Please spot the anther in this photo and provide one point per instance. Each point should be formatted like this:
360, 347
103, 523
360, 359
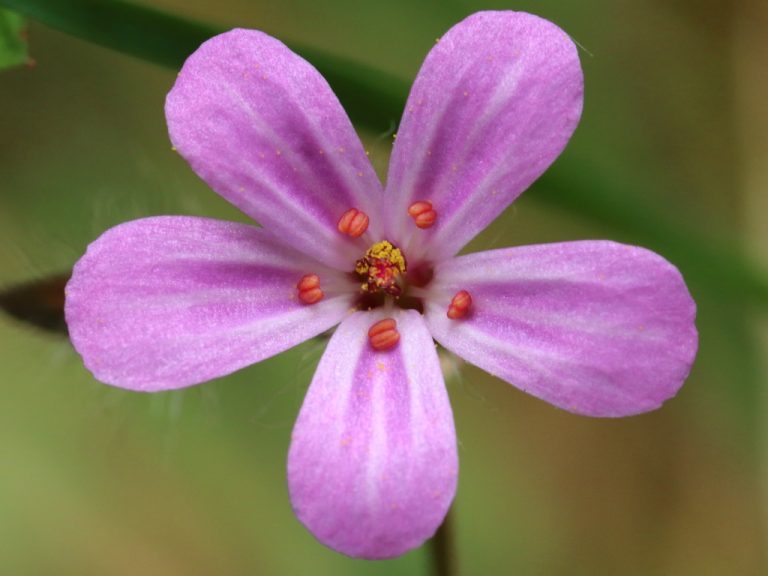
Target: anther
460, 305
353, 223
384, 335
422, 213
309, 289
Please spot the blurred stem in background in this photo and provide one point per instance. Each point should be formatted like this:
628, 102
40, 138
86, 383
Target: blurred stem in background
750, 63
442, 550
374, 100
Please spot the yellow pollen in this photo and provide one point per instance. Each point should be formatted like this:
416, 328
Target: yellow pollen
381, 267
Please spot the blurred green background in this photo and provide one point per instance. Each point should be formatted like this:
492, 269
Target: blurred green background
95, 480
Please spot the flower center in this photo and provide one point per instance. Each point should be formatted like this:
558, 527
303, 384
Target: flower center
382, 269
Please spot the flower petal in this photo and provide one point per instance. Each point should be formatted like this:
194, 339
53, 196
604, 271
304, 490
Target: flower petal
494, 104
262, 127
593, 327
166, 302
372, 467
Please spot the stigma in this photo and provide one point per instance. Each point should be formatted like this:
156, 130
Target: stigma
382, 269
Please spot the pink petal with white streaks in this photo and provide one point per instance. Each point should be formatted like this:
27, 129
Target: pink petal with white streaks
593, 327
372, 467
494, 104
262, 127
167, 302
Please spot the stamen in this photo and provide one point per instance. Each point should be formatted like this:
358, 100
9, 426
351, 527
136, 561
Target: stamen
422, 213
460, 305
309, 289
353, 223
384, 335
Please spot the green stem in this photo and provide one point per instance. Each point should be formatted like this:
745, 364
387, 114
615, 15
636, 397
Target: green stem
371, 98
442, 550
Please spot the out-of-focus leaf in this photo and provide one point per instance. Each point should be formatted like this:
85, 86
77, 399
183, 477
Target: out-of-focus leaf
375, 101
39, 302
13, 44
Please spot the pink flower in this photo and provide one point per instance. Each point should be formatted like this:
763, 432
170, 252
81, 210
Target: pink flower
594, 327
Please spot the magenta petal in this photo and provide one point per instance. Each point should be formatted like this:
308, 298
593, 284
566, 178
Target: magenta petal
494, 104
594, 327
262, 127
372, 467
166, 302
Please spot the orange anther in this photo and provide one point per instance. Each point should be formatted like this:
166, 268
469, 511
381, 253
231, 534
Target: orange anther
353, 223
311, 296
422, 213
460, 305
308, 281
309, 289
384, 335
418, 207
426, 219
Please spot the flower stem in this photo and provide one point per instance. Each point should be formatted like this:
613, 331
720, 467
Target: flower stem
442, 551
